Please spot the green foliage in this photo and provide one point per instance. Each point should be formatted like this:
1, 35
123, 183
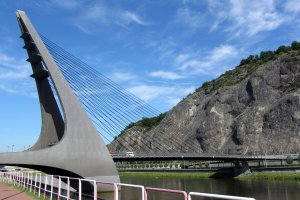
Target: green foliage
202, 175
296, 45
283, 49
206, 165
247, 66
291, 176
289, 160
147, 123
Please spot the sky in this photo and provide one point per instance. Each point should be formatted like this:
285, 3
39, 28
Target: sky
158, 50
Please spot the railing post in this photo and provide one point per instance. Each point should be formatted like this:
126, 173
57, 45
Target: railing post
68, 190
59, 185
95, 190
40, 185
79, 192
51, 194
31, 180
45, 186
27, 185
35, 180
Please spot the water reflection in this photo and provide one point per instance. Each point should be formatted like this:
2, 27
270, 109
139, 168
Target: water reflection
260, 190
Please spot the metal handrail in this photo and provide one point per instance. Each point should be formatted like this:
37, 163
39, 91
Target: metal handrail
134, 186
19, 178
217, 196
166, 191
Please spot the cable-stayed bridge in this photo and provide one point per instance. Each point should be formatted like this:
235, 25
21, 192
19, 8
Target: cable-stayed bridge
83, 111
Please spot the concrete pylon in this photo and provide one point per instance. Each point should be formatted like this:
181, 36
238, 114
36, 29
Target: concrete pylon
68, 145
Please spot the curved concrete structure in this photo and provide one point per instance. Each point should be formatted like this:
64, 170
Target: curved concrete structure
68, 145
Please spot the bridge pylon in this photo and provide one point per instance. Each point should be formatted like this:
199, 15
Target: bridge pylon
69, 144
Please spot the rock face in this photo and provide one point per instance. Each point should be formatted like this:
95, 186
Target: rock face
258, 115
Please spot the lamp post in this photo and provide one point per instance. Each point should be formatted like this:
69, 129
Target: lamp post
12, 148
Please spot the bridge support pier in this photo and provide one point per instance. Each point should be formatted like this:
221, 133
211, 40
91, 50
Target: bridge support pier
241, 167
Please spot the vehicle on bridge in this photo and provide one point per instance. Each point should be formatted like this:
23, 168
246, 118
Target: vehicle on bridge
130, 154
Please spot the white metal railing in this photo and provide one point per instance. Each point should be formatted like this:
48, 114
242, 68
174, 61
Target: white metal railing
52, 186
217, 196
134, 186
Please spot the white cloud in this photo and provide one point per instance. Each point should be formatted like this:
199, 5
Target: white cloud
164, 94
132, 17
14, 76
174, 101
190, 17
99, 14
246, 18
166, 75
67, 4
212, 62
123, 76
222, 52
292, 6
181, 58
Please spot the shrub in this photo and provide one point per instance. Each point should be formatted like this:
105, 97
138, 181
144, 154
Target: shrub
296, 45
289, 160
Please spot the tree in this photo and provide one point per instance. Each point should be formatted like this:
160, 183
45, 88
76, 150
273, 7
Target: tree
289, 160
266, 55
283, 48
296, 45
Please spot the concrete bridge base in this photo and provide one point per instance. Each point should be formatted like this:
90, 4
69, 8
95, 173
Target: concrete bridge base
241, 168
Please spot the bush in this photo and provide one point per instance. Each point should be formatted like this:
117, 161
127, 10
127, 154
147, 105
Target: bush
206, 165
283, 49
296, 45
289, 160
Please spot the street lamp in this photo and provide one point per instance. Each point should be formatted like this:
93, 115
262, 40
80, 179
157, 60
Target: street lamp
12, 148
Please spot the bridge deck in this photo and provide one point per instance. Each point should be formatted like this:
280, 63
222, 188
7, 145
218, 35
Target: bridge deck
151, 157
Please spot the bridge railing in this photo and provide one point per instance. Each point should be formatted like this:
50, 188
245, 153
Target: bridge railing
52, 187
178, 192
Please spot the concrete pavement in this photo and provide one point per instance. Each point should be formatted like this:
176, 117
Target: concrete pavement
9, 193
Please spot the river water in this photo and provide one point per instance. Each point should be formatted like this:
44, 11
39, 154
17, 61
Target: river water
258, 189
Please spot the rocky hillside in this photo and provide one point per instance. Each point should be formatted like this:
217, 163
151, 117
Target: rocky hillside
252, 109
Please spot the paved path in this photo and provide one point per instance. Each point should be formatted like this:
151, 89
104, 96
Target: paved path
8, 193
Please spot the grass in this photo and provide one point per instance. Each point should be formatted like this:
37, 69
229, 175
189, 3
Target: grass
274, 176
280, 176
203, 175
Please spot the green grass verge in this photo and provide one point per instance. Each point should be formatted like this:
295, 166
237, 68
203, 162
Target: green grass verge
27, 192
280, 176
170, 175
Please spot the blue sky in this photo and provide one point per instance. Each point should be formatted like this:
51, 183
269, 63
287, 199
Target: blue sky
158, 50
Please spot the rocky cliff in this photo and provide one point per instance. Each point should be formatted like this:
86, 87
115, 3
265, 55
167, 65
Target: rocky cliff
253, 109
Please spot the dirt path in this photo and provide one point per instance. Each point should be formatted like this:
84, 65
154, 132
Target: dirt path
8, 193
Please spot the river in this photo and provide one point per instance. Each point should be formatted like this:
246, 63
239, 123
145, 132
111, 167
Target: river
258, 189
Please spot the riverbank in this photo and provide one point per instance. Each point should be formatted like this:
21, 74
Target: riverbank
280, 176
204, 175
276, 176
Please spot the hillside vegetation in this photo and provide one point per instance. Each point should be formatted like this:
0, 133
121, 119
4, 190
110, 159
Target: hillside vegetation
231, 77
247, 66
253, 109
